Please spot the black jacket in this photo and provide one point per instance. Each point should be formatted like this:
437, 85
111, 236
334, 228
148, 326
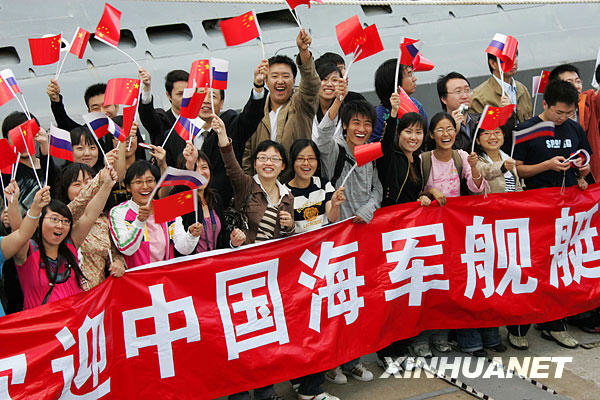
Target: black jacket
399, 185
156, 121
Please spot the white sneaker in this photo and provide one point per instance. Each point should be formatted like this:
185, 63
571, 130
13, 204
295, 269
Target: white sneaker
390, 365
322, 396
409, 364
360, 373
336, 376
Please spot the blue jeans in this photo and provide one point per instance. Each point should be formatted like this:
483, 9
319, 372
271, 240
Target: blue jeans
260, 393
350, 364
470, 340
433, 336
310, 385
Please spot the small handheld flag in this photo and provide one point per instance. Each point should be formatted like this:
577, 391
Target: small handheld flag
173, 206
101, 125
8, 77
579, 159
179, 177
199, 74
421, 63
45, 51
60, 144
186, 129
240, 29
350, 34
8, 154
79, 42
295, 3
409, 50
22, 136
372, 43
109, 27
6, 94
495, 117
406, 104
219, 70
364, 154
122, 91
505, 48
191, 102
544, 128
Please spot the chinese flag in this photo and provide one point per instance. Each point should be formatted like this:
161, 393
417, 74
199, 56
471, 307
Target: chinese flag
109, 27
238, 30
29, 128
543, 81
421, 63
350, 34
8, 156
365, 153
122, 91
509, 53
128, 116
199, 74
79, 42
5, 93
372, 43
171, 207
295, 3
191, 105
45, 51
406, 104
495, 117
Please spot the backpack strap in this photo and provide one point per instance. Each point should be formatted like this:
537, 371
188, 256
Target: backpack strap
339, 164
425, 166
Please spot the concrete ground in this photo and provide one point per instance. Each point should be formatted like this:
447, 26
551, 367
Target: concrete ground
580, 379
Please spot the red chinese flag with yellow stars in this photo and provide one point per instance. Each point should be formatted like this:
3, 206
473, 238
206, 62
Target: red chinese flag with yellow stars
79, 43
27, 130
173, 206
109, 27
122, 91
45, 51
199, 74
350, 34
238, 30
495, 117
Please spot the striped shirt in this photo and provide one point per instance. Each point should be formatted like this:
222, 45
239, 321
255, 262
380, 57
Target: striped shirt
266, 227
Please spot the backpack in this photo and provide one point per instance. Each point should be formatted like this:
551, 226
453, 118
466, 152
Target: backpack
339, 164
426, 169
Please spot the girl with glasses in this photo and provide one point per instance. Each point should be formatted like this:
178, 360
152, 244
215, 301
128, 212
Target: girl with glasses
132, 225
47, 266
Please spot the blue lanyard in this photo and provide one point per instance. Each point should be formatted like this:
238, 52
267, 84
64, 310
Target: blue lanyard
214, 228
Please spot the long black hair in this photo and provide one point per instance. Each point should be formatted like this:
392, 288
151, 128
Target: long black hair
69, 174
410, 119
82, 135
297, 147
64, 253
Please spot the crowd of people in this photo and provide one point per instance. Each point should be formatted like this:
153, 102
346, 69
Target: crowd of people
276, 169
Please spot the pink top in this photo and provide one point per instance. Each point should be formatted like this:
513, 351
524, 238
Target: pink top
35, 284
156, 238
444, 176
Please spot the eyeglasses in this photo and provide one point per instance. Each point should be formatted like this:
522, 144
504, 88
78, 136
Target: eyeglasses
56, 220
459, 92
441, 131
497, 133
139, 182
302, 160
273, 159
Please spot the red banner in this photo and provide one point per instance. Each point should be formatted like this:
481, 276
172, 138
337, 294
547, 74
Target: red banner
203, 327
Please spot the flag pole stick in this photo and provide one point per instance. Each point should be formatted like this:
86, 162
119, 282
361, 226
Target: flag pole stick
170, 131
99, 144
210, 79
30, 159
60, 67
196, 204
25, 109
501, 75
534, 104
59, 49
3, 194
348, 174
262, 45
119, 50
293, 15
397, 75
15, 168
483, 114
110, 259
47, 167
160, 181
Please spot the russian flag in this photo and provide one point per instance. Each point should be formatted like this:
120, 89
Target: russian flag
579, 159
544, 128
181, 177
191, 102
219, 70
496, 45
8, 77
409, 51
60, 143
101, 125
186, 129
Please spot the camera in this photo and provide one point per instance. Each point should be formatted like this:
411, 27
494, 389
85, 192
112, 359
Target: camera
463, 108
